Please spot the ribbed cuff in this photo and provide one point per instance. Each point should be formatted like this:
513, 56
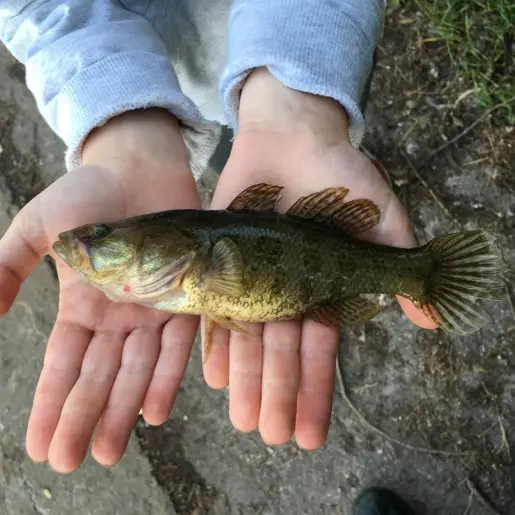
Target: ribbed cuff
116, 84
320, 47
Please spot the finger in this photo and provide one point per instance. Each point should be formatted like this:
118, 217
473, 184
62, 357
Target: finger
20, 250
61, 367
317, 370
216, 368
140, 353
416, 315
86, 401
175, 348
245, 370
281, 375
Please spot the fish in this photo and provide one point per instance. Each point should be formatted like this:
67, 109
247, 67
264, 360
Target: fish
251, 263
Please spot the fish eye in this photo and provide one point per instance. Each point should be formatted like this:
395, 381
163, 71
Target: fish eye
98, 231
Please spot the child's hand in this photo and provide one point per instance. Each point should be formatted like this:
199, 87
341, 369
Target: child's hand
283, 381
104, 361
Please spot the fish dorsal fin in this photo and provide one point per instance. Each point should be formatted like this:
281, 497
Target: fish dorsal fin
259, 197
226, 274
322, 202
358, 215
328, 206
350, 310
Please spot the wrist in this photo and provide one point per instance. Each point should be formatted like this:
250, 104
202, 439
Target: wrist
145, 151
147, 140
267, 105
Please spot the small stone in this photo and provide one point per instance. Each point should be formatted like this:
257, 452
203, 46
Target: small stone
412, 149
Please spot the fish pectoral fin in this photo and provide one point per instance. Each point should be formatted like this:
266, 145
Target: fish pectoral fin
350, 310
328, 206
226, 275
259, 197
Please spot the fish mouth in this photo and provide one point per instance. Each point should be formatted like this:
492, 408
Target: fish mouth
69, 250
61, 248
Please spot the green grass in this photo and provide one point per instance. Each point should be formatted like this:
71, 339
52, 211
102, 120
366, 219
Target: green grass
479, 36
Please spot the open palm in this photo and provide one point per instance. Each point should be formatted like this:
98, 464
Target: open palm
104, 361
281, 374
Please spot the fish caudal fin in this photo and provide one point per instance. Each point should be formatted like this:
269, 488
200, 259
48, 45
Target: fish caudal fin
469, 266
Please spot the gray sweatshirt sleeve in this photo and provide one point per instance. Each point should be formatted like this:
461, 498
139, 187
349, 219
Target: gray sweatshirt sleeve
87, 61
323, 47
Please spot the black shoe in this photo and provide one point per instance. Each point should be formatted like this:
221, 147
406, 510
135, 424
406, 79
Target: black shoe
380, 501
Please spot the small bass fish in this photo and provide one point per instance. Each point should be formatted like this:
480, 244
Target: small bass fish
252, 263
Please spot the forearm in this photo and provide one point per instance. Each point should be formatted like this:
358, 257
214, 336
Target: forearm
141, 139
145, 150
87, 62
316, 46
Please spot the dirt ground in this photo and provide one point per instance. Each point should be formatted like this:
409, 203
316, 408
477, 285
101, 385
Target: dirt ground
430, 415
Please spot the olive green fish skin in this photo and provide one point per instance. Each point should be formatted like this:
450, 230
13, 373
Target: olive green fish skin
292, 264
251, 263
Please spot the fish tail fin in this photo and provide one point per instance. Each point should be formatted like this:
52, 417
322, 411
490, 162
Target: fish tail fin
468, 266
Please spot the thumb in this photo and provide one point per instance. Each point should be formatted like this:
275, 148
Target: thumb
21, 247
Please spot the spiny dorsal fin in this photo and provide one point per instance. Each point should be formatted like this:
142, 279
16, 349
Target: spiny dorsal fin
328, 206
226, 276
259, 197
350, 310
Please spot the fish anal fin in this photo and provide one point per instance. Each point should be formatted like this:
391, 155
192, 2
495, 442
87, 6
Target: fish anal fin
349, 310
259, 197
328, 206
225, 275
325, 314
